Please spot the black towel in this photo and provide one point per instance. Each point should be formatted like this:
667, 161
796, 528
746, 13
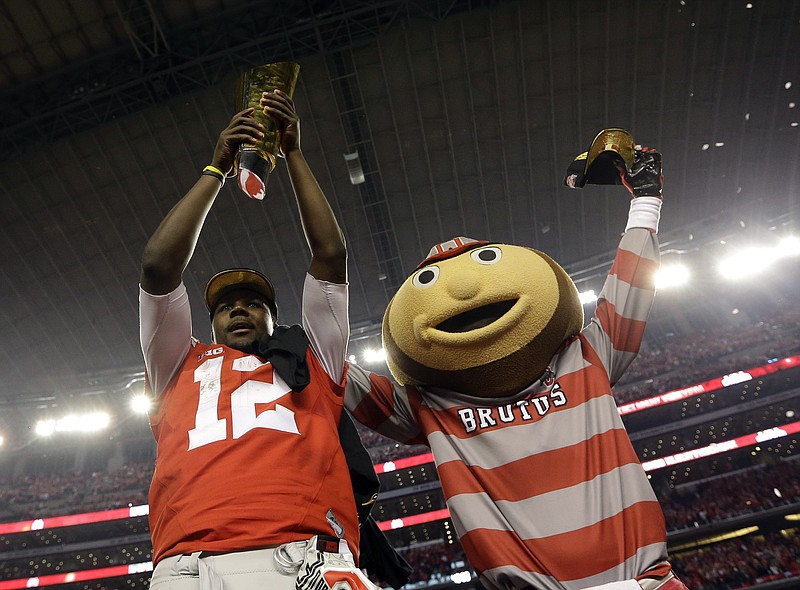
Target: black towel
286, 350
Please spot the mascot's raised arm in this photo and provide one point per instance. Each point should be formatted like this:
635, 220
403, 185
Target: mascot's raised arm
513, 395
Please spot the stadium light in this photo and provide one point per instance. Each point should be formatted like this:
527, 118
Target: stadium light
587, 297
716, 538
2, 440
373, 356
793, 517
672, 275
140, 404
91, 422
746, 263
789, 246
754, 260
461, 577
45, 427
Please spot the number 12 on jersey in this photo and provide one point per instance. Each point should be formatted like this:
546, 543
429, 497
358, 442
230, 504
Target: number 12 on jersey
209, 427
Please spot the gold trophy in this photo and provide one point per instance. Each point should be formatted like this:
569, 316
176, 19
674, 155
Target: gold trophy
254, 162
610, 149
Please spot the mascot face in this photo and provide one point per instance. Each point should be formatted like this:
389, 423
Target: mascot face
483, 320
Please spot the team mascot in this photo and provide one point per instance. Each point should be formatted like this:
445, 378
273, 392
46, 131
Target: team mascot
499, 376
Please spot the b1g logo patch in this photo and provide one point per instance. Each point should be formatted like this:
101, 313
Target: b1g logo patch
210, 352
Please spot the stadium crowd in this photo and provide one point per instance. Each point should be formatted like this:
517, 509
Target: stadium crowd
741, 492
679, 362
713, 492
35, 496
731, 565
435, 562
699, 502
740, 563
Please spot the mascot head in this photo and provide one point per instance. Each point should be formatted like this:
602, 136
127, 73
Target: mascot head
480, 318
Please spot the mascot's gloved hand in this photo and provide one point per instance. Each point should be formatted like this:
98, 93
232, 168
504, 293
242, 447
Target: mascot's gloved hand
645, 178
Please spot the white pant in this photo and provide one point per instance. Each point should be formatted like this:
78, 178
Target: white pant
623, 585
245, 570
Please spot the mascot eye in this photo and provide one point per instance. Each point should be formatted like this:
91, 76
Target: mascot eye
487, 255
426, 277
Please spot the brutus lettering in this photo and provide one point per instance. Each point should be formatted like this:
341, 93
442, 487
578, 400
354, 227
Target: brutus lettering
522, 411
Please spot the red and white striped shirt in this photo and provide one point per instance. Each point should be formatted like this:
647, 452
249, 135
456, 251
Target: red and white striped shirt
544, 487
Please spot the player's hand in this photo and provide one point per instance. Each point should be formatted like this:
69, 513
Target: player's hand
281, 108
243, 128
645, 178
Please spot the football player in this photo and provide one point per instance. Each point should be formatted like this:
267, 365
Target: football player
251, 483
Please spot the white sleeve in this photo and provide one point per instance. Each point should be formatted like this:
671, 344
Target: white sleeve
326, 322
644, 212
165, 333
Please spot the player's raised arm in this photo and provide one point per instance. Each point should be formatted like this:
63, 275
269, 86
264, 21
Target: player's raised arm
171, 246
325, 238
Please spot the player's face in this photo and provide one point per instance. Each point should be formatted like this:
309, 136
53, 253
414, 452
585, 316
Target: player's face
241, 319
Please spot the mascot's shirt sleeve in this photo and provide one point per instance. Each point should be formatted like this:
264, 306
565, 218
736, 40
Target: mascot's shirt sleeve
380, 404
617, 328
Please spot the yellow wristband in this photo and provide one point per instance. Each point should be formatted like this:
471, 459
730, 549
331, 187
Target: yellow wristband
214, 169
215, 172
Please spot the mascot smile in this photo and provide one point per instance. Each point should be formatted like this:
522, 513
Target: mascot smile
480, 318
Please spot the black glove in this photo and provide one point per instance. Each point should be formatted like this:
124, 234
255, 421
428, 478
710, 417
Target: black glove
645, 178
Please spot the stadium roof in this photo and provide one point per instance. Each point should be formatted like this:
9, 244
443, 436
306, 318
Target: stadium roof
465, 115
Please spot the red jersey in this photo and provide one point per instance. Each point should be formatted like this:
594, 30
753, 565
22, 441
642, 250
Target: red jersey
242, 461
227, 428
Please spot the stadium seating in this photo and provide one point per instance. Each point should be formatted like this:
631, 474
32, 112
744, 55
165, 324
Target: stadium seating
731, 515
